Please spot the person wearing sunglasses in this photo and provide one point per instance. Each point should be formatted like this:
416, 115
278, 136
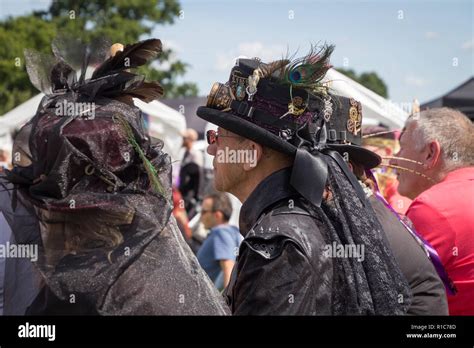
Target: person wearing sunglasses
270, 152
219, 250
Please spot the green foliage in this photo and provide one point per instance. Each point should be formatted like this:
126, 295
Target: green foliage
124, 21
370, 80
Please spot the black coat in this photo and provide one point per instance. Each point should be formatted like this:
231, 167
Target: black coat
429, 296
280, 269
285, 264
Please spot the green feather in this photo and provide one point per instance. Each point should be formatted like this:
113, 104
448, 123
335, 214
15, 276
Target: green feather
149, 168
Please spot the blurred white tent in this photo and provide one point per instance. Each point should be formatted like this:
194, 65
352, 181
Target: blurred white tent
375, 109
165, 123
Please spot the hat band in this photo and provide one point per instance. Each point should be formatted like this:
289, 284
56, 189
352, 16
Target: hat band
248, 112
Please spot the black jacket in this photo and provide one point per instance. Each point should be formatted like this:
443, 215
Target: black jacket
280, 269
429, 296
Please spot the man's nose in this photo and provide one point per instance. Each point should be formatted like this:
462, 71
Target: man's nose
211, 149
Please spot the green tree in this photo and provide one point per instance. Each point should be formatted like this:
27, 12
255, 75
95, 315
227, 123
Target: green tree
124, 21
368, 79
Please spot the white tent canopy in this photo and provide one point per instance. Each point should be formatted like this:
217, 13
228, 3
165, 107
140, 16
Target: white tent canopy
165, 123
375, 109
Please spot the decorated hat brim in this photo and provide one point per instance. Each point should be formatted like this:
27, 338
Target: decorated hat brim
358, 154
246, 129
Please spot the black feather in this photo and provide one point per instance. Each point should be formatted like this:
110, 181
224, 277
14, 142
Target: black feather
132, 56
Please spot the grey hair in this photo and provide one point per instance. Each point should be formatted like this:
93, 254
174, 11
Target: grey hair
452, 129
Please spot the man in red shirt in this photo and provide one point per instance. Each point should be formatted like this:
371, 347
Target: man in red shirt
438, 174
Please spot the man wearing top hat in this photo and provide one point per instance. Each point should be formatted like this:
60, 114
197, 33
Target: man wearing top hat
288, 263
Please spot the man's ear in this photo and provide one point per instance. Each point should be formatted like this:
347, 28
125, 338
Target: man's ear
433, 154
218, 216
253, 155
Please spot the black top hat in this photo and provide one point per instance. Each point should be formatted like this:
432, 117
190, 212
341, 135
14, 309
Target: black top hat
344, 132
284, 106
268, 103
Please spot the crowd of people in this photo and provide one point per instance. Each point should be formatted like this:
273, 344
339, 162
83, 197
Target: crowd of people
336, 218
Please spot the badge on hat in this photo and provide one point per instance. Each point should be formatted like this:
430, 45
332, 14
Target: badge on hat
355, 117
238, 83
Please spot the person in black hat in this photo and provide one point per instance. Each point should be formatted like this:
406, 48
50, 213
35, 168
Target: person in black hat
299, 255
410, 252
102, 190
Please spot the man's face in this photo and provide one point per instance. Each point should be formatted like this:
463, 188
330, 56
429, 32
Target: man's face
410, 184
207, 215
226, 174
186, 142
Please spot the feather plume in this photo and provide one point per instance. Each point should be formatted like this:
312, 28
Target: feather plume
266, 70
151, 171
308, 71
132, 56
146, 91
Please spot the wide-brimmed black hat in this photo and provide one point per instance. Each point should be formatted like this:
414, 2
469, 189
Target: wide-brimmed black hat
284, 105
268, 103
345, 134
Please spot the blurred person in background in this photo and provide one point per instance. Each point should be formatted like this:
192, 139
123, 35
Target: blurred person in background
218, 252
384, 143
191, 173
4, 159
180, 214
436, 161
19, 280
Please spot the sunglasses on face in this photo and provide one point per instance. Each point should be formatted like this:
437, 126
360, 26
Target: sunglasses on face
212, 136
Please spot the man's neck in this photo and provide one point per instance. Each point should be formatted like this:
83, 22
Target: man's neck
434, 177
246, 187
243, 190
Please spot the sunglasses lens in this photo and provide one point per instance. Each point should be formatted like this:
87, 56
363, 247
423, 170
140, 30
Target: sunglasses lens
211, 137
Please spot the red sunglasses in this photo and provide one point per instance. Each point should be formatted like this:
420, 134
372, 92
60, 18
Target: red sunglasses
212, 136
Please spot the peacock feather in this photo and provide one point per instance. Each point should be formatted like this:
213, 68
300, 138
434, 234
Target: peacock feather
307, 72
149, 168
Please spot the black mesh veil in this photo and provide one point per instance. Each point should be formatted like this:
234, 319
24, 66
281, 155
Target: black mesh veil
375, 285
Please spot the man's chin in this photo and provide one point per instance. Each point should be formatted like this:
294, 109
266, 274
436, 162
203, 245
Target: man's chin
217, 185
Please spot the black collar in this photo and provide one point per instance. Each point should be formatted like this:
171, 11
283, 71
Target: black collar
269, 191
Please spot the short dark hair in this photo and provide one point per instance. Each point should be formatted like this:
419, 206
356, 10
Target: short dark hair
221, 202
